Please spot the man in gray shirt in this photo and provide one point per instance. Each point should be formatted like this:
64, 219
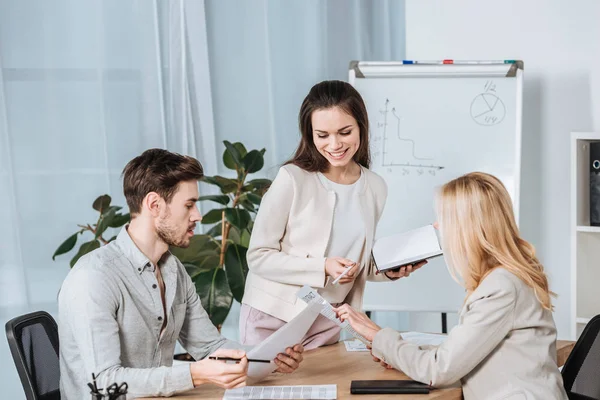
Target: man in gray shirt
123, 306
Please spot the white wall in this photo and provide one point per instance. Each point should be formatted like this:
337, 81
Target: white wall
559, 43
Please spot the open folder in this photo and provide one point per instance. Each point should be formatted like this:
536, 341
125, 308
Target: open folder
410, 247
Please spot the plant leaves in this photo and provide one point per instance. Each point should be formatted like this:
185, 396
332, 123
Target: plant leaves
259, 185
216, 231
102, 203
236, 268
221, 199
84, 249
247, 204
105, 221
254, 161
232, 152
108, 209
238, 217
213, 216
66, 246
200, 246
245, 239
215, 294
227, 185
228, 157
119, 220
254, 198
234, 234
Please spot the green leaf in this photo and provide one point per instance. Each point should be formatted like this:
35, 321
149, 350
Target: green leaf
228, 156
245, 239
104, 223
119, 220
254, 161
247, 204
112, 238
213, 216
227, 185
200, 246
254, 198
84, 249
236, 268
234, 234
237, 217
215, 294
102, 203
221, 199
111, 208
66, 246
216, 230
260, 185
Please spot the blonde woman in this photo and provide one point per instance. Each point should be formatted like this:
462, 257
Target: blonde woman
504, 346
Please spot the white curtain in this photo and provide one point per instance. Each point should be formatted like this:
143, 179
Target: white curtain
84, 87
266, 54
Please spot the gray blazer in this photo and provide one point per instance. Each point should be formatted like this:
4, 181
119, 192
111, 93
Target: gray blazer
504, 346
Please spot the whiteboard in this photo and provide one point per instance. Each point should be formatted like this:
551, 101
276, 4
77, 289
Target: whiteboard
430, 124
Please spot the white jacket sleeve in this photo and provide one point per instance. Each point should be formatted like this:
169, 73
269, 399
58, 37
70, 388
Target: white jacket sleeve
265, 256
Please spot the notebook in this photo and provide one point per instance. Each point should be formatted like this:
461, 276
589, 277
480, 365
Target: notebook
410, 247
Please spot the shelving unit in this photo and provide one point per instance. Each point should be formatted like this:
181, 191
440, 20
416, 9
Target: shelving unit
585, 239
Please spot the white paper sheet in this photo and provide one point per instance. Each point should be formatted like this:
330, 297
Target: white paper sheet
423, 338
286, 336
282, 392
355, 345
311, 296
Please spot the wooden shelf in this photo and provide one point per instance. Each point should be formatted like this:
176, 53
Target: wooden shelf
590, 229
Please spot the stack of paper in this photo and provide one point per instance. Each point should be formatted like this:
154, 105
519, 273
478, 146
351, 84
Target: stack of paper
282, 392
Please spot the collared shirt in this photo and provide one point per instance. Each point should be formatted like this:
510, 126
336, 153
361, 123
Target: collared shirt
110, 315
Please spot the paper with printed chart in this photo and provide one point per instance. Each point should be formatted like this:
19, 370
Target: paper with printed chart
282, 392
287, 336
311, 296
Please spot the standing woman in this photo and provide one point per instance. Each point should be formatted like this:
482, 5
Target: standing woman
317, 219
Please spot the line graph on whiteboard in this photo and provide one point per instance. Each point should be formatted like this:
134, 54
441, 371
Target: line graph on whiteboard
391, 137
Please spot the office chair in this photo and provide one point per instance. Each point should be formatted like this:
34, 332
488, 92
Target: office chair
580, 372
33, 342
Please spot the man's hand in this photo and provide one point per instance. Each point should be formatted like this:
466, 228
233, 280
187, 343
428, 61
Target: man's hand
289, 362
222, 374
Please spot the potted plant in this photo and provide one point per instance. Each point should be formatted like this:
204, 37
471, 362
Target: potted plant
216, 260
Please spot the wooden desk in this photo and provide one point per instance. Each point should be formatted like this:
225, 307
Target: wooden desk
334, 365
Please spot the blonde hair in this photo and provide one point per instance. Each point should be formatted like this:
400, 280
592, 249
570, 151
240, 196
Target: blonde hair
479, 234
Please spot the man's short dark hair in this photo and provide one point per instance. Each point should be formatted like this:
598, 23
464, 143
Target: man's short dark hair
160, 171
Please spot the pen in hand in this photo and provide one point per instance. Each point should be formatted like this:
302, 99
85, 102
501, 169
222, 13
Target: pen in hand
348, 268
237, 359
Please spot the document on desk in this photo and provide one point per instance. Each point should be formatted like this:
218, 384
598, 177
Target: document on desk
311, 296
282, 392
355, 345
423, 339
286, 336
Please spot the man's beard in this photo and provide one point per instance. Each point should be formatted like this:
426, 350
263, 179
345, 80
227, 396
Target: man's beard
168, 234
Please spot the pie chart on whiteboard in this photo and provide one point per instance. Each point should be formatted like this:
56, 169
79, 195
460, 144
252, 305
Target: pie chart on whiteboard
487, 109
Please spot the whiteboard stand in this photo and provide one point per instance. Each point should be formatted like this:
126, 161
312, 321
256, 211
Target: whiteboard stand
430, 123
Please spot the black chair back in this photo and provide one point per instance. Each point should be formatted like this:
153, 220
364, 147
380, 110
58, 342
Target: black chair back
33, 342
581, 372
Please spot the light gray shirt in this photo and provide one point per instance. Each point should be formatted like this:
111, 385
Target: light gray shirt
110, 315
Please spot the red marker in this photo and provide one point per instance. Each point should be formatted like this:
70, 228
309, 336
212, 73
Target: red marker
448, 62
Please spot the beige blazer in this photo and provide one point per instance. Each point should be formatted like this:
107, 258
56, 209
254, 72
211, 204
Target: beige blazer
290, 237
504, 346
